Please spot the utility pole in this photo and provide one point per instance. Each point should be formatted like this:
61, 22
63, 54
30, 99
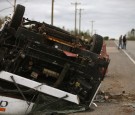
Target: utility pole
80, 15
92, 27
95, 31
76, 3
52, 12
14, 5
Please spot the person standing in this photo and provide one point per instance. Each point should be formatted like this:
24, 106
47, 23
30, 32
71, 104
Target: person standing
120, 42
124, 42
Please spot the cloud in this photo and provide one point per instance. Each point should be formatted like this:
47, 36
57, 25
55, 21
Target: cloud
112, 17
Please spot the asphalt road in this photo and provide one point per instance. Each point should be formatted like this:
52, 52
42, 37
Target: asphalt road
121, 67
120, 78
131, 49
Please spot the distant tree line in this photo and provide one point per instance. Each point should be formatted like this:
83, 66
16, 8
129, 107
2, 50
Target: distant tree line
106, 38
131, 34
84, 35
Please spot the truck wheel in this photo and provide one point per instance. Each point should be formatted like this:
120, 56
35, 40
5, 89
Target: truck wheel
96, 44
17, 17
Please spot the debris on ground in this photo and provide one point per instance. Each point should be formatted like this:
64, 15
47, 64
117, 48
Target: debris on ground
108, 97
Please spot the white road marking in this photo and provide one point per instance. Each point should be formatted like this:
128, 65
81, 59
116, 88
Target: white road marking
127, 54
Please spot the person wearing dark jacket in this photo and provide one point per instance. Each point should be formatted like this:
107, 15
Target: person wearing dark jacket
120, 42
124, 42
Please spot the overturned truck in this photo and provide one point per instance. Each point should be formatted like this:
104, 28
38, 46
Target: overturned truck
40, 60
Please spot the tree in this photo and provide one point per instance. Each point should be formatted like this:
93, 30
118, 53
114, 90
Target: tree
106, 38
131, 34
1, 21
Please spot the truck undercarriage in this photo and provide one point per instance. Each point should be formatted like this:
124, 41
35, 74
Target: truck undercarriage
49, 55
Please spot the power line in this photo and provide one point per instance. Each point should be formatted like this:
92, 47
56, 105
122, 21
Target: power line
9, 2
13, 5
5, 9
24, 2
76, 3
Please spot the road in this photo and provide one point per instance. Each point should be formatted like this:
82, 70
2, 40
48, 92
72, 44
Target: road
121, 68
120, 78
131, 48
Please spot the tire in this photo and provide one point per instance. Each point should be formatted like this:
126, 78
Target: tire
96, 44
17, 17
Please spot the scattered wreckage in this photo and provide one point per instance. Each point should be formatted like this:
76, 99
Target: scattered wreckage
45, 68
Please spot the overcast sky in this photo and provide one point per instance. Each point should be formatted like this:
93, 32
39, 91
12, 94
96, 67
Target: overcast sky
112, 17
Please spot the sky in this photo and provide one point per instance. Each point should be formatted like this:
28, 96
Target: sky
111, 17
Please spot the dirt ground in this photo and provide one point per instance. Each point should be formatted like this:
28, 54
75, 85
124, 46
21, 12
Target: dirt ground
120, 83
